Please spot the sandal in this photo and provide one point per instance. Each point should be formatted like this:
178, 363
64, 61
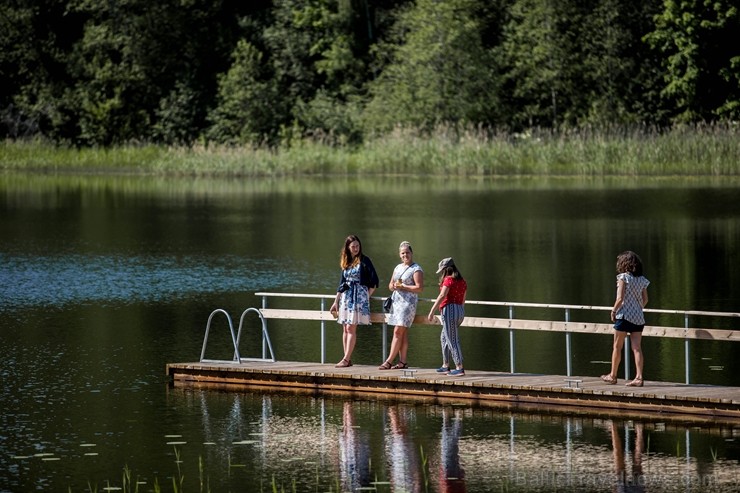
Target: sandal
637, 382
400, 366
343, 364
385, 366
609, 379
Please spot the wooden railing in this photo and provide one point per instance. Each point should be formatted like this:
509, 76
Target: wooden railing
513, 324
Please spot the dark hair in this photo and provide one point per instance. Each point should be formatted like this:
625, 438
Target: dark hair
629, 262
450, 270
345, 257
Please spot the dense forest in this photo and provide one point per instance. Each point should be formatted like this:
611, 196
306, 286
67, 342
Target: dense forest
261, 72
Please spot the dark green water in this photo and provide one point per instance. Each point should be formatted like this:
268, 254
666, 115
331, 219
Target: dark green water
104, 280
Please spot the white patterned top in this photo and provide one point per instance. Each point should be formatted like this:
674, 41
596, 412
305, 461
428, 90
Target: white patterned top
631, 309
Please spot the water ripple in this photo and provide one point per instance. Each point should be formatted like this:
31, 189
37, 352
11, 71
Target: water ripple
60, 280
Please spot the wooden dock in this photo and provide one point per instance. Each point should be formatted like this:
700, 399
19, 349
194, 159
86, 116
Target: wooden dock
544, 393
523, 391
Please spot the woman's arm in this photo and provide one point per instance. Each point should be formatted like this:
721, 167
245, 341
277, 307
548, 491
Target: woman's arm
418, 285
335, 306
644, 297
442, 294
620, 298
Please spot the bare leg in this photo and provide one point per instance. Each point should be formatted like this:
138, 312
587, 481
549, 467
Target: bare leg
397, 345
636, 342
619, 337
403, 348
349, 339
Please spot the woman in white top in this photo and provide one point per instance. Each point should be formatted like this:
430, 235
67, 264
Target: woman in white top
406, 283
627, 315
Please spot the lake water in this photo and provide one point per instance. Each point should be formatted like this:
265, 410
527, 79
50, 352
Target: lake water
104, 280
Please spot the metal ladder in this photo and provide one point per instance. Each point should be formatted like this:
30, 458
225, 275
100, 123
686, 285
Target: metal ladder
235, 338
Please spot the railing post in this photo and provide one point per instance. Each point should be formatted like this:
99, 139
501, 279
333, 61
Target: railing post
511, 341
568, 362
385, 341
323, 333
687, 349
264, 341
627, 362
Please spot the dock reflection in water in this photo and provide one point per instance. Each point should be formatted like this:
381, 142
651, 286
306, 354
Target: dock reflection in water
352, 445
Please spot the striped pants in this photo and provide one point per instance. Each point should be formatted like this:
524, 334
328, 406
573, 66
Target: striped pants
452, 316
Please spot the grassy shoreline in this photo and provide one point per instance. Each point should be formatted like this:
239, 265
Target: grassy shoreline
681, 151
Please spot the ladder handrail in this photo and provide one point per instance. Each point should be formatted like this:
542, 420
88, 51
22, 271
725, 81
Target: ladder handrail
208, 329
265, 336
235, 339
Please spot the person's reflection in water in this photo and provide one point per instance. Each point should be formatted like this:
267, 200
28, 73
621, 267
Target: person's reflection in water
354, 452
402, 453
635, 481
451, 474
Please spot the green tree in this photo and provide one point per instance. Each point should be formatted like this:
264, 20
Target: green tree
438, 70
34, 45
621, 73
136, 59
575, 62
318, 51
699, 42
542, 53
247, 101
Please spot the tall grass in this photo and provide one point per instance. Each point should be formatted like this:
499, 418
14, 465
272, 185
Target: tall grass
698, 150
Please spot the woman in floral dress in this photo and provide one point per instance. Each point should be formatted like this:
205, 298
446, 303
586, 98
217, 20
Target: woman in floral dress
406, 283
352, 304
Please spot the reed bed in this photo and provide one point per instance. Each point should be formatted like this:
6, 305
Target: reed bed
698, 150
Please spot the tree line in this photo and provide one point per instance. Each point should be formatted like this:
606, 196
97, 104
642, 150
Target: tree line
265, 72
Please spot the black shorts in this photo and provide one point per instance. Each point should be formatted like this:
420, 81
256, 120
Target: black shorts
623, 325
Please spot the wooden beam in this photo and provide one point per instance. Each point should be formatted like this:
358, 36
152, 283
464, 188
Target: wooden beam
522, 324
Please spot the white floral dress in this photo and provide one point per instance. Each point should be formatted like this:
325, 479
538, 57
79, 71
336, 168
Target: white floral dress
354, 304
403, 309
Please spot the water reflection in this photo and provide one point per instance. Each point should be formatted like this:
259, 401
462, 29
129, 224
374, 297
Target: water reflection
104, 280
450, 475
354, 452
403, 455
357, 445
628, 480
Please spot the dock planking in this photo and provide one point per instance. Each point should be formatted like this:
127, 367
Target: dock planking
521, 390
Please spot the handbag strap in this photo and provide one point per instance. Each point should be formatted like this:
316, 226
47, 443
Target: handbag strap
404, 271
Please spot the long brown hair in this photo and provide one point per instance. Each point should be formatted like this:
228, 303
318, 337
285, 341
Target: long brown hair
345, 256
